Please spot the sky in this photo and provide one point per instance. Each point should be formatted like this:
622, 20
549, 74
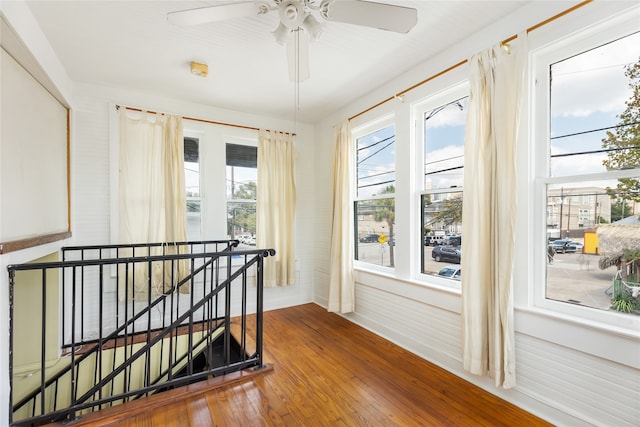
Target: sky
589, 92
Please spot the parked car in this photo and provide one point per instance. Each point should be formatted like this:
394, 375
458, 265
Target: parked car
453, 241
446, 254
565, 245
369, 238
451, 271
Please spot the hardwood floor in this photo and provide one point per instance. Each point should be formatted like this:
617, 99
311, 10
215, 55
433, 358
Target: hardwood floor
323, 371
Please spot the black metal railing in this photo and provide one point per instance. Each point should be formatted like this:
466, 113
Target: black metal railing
131, 320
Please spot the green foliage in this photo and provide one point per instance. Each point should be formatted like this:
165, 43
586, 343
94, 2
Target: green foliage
624, 140
450, 211
624, 303
246, 191
242, 215
631, 254
384, 210
619, 208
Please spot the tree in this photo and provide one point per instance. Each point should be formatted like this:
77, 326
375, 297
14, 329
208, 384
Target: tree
246, 191
242, 211
620, 209
450, 211
624, 141
384, 210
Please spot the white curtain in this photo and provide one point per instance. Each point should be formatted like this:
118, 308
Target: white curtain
489, 211
341, 282
152, 197
275, 206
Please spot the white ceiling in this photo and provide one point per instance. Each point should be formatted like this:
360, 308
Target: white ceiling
130, 44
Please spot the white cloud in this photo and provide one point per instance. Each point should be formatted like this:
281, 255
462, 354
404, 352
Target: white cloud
445, 158
594, 80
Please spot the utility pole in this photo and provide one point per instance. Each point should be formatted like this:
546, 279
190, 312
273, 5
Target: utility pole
561, 204
569, 218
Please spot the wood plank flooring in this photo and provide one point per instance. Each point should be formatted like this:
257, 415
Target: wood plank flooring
323, 371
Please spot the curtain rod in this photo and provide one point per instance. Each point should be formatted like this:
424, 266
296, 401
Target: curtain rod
203, 120
504, 42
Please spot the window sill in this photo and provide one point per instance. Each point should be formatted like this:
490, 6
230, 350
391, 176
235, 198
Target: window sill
438, 295
614, 343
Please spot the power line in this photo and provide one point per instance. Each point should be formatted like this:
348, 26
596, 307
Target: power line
594, 130
376, 152
376, 174
376, 143
604, 150
377, 183
444, 160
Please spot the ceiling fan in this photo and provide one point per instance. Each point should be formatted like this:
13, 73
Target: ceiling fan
299, 21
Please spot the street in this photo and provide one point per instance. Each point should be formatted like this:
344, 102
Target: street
571, 277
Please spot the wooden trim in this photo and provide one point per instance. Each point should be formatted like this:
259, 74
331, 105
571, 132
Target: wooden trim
530, 29
68, 170
17, 245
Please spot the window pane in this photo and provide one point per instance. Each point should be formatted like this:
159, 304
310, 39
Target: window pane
375, 220
591, 231
241, 183
242, 174
241, 222
193, 220
444, 129
192, 182
442, 232
594, 127
444, 145
376, 164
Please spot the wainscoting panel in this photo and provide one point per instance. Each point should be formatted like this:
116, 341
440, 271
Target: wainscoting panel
582, 384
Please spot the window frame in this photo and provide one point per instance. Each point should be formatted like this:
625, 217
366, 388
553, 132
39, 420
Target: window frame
228, 197
360, 131
539, 82
197, 138
454, 91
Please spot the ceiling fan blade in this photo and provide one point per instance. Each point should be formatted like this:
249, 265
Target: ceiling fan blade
383, 16
203, 15
298, 56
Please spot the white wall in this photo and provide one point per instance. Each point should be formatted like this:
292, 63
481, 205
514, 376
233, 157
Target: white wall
22, 37
92, 169
569, 371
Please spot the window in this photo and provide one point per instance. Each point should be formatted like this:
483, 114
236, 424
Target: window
242, 173
441, 198
592, 177
375, 200
192, 182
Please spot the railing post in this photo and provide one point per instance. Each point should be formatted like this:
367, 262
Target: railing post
227, 315
11, 285
259, 309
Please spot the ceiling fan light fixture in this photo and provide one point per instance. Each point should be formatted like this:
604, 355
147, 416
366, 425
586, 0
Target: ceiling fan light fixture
313, 27
281, 34
292, 13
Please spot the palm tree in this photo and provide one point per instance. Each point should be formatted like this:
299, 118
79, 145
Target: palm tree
384, 210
